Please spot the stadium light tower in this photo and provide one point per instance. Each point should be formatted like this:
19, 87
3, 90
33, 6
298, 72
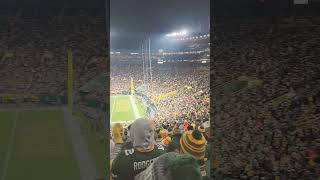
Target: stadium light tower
177, 34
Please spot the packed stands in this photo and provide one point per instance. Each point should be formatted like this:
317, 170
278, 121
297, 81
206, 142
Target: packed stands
34, 55
183, 73
269, 130
34, 61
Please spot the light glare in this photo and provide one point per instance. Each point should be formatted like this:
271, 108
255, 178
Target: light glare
174, 34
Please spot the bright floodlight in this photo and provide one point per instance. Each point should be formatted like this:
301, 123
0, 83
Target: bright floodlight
175, 34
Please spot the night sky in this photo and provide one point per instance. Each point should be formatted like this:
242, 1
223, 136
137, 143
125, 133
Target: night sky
131, 20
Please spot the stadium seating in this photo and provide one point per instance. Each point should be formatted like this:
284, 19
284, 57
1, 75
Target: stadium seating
267, 131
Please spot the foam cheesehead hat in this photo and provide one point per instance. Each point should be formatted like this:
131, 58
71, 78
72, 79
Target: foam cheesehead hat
142, 132
117, 133
193, 143
172, 166
167, 140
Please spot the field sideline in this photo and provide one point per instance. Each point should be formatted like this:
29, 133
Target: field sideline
37, 143
125, 108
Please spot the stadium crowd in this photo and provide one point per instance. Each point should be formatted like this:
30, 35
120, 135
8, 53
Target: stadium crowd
268, 131
180, 91
136, 151
191, 86
34, 61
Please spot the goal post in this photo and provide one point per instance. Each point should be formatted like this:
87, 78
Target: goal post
70, 80
131, 86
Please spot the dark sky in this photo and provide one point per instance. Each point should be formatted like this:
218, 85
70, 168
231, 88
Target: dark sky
130, 20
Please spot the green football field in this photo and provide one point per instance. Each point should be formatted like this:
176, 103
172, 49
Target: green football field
35, 145
125, 109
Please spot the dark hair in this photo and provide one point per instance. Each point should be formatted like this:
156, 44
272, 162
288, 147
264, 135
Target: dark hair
190, 127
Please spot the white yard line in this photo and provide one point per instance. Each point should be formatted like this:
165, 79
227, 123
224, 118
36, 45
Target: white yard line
134, 108
122, 122
10, 146
113, 106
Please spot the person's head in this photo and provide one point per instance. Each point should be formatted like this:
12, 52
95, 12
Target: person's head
164, 133
203, 131
117, 133
190, 128
208, 131
184, 167
172, 166
193, 143
194, 126
142, 131
169, 131
178, 129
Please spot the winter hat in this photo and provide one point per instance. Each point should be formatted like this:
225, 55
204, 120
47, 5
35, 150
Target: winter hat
167, 140
172, 166
201, 129
193, 143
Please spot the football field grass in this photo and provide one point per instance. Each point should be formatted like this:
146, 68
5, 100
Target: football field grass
125, 109
35, 145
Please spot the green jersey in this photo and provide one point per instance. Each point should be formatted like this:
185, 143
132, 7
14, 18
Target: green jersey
131, 162
205, 171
